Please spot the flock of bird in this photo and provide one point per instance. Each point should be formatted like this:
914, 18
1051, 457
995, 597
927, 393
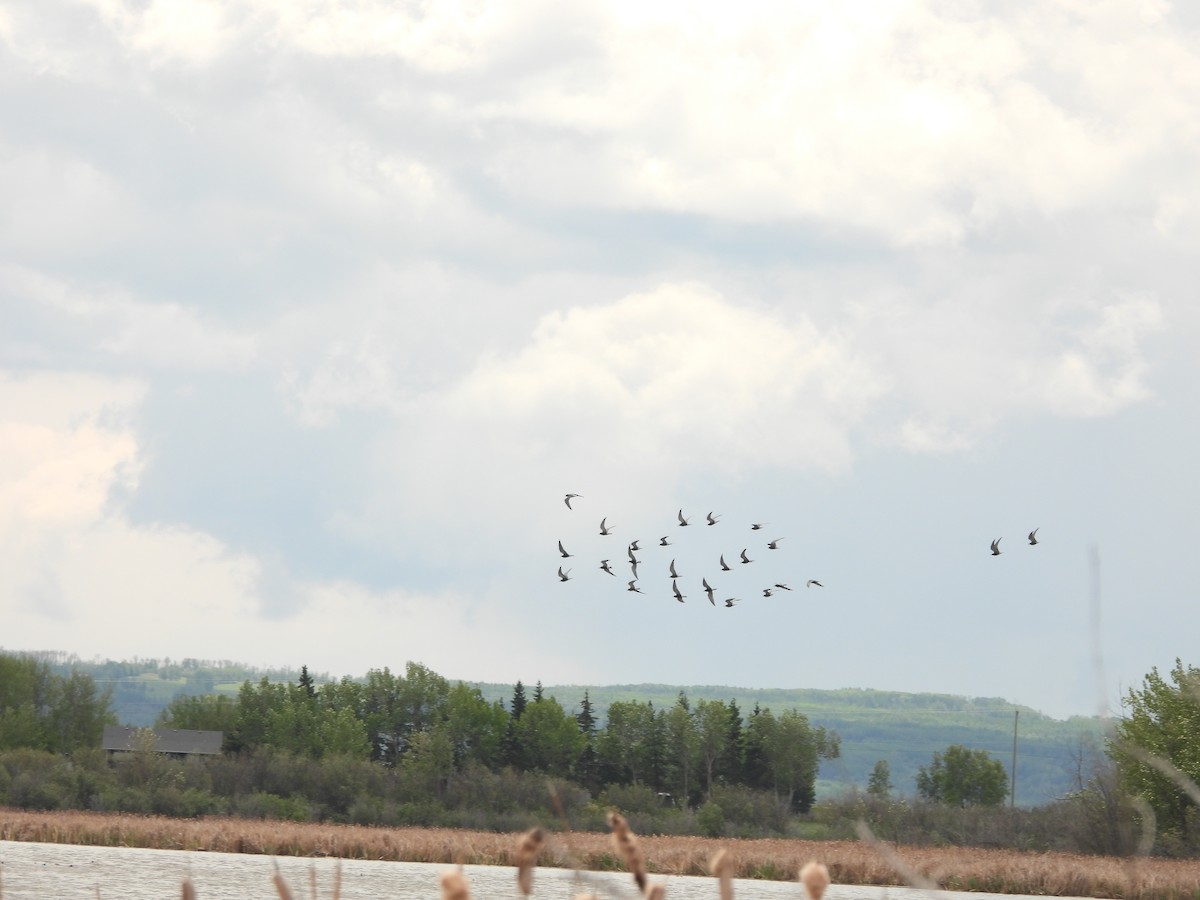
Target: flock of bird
710, 591
682, 521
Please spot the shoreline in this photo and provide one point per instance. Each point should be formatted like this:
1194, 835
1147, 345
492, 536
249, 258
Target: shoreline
775, 859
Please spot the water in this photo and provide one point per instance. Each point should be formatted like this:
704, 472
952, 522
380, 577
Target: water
33, 871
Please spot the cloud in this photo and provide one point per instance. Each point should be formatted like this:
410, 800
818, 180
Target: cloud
908, 122
110, 325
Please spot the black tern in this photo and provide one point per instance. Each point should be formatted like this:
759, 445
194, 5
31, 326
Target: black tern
813, 581
724, 565
758, 525
563, 551
745, 558
604, 566
564, 576
782, 587
767, 592
604, 529
709, 590
1033, 537
674, 574
567, 500
663, 542
996, 546
729, 601
712, 520
633, 587
774, 545
675, 590
682, 520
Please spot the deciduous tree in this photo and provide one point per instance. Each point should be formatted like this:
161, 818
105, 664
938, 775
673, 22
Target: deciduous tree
963, 777
1162, 722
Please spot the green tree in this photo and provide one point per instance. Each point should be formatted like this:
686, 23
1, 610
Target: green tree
200, 712
550, 738
49, 712
306, 682
712, 730
627, 747
963, 777
879, 784
794, 751
587, 766
683, 744
1161, 725
474, 726
755, 770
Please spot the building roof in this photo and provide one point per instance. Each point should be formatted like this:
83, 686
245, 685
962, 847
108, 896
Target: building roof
170, 740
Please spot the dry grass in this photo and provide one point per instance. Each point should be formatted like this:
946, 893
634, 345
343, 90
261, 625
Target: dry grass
848, 862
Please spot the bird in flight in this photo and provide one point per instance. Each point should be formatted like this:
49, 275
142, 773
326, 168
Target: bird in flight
674, 574
564, 576
774, 545
682, 520
675, 590
758, 525
745, 558
604, 566
724, 565
563, 551
634, 545
632, 558
567, 500
996, 546
663, 542
604, 529
633, 587
811, 582
767, 592
782, 587
729, 601
633, 567
1033, 537
712, 520
708, 589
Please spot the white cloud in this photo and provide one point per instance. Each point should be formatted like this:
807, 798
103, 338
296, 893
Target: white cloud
160, 334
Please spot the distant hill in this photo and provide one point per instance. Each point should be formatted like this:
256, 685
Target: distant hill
903, 729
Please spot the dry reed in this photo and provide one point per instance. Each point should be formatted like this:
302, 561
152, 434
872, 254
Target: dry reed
527, 852
626, 843
454, 885
815, 878
721, 865
849, 862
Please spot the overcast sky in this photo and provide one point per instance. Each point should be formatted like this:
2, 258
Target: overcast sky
311, 312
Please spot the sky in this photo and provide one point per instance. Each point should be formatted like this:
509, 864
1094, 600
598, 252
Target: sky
313, 311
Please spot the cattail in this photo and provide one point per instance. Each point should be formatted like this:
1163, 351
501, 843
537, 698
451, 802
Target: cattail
189, 889
721, 865
454, 885
527, 851
628, 847
281, 886
815, 878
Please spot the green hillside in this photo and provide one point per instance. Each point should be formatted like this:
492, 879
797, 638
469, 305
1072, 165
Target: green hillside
903, 729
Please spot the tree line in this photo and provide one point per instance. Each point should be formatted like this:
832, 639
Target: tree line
420, 720
418, 749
